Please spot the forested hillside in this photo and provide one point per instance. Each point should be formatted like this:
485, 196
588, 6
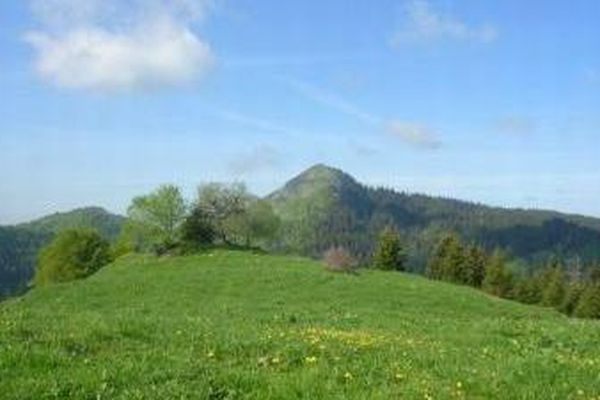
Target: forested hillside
19, 244
324, 206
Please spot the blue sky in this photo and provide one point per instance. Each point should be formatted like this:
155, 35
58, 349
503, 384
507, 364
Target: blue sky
495, 102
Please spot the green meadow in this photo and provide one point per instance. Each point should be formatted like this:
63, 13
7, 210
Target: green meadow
240, 325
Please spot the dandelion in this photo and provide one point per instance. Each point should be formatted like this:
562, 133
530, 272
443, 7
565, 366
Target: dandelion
210, 354
348, 376
459, 385
310, 359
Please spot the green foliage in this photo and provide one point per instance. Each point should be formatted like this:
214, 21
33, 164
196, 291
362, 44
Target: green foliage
324, 207
498, 279
155, 219
224, 205
528, 290
389, 253
237, 217
73, 254
589, 302
448, 260
221, 325
571, 300
197, 230
473, 271
554, 290
20, 244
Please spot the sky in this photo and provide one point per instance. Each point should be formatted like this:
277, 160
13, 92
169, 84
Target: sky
496, 102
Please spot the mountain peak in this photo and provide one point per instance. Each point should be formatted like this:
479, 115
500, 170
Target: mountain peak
317, 180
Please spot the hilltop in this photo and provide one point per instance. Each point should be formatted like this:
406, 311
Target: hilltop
227, 325
324, 206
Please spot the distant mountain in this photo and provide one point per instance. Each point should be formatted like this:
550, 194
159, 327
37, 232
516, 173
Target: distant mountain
19, 244
324, 206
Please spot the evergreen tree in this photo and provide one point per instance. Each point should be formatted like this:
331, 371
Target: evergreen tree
589, 302
527, 290
474, 266
448, 260
572, 297
498, 279
389, 254
554, 290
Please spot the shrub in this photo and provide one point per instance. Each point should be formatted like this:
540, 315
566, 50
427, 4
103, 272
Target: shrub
73, 254
338, 259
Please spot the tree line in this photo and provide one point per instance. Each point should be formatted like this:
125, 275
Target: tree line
162, 222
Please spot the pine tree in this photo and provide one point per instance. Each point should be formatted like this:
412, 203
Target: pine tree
448, 260
554, 290
527, 290
389, 254
474, 267
572, 297
589, 303
498, 279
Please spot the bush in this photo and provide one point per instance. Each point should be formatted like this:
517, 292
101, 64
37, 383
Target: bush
339, 259
73, 254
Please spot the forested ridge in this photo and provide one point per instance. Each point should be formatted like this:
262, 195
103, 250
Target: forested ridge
324, 207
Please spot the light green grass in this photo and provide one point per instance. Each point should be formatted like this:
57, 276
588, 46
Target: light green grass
228, 325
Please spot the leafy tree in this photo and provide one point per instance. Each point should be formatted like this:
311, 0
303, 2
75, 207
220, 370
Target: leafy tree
73, 254
155, 219
257, 223
389, 254
498, 278
224, 205
589, 302
197, 229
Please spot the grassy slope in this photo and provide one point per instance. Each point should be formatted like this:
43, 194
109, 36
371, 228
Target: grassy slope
235, 325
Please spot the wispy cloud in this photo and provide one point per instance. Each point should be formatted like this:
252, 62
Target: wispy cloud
416, 135
119, 45
424, 24
332, 101
515, 125
262, 157
256, 123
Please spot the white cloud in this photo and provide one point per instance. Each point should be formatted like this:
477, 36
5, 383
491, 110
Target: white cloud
424, 24
414, 134
119, 45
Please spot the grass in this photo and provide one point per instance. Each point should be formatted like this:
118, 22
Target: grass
229, 325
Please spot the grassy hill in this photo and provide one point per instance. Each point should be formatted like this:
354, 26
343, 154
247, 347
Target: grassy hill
229, 325
324, 207
19, 244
